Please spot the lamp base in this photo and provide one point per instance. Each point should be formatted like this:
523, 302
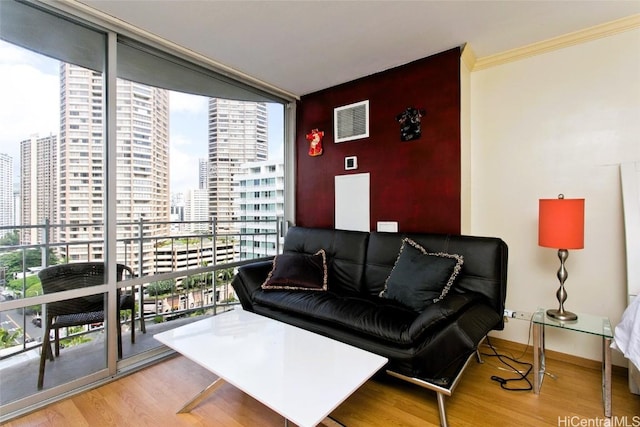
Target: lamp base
562, 315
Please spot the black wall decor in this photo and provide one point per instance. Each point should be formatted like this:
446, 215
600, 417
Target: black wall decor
409, 121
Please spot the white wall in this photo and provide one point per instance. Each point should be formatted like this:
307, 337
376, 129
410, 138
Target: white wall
558, 122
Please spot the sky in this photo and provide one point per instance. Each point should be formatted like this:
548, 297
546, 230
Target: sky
30, 104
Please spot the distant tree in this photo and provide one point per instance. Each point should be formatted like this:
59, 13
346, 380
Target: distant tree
10, 239
75, 340
224, 276
32, 258
8, 339
33, 285
161, 287
189, 282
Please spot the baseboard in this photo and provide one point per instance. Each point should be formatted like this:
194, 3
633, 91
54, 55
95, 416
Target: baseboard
518, 348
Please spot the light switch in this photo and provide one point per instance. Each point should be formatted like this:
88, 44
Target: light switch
388, 226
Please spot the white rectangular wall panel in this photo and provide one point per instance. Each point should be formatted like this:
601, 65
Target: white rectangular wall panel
352, 211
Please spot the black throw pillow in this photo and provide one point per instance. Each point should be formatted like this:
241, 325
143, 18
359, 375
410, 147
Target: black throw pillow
420, 278
297, 271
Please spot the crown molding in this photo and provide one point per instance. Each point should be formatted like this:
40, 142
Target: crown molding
468, 57
571, 39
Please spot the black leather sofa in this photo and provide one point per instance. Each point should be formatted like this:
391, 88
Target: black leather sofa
430, 348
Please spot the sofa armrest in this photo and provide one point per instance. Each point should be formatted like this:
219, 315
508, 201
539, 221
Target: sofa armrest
442, 311
248, 280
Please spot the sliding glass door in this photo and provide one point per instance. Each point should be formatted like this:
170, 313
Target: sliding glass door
154, 172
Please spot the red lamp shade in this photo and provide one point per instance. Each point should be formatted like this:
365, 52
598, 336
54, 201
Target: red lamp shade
561, 223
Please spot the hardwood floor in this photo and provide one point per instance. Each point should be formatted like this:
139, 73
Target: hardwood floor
152, 396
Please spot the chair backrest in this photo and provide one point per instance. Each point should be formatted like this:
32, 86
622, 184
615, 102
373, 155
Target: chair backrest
64, 277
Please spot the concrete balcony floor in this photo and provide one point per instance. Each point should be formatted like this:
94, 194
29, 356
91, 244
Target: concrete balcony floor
19, 374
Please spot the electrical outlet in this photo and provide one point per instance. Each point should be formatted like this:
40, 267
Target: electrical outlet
524, 315
514, 314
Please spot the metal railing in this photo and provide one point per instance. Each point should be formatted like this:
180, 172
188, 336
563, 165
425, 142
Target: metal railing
185, 271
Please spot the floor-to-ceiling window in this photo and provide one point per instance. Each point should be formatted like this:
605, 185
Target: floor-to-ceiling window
112, 149
47, 126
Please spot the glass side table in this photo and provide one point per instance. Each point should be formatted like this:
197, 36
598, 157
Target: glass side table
586, 323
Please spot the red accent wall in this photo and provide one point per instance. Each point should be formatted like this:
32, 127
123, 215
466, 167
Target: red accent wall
416, 183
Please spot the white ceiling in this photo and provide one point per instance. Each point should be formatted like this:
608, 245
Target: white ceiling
305, 46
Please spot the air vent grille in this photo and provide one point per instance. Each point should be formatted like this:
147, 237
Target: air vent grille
351, 121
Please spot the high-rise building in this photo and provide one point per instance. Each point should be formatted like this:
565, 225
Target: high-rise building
260, 202
203, 174
38, 187
6, 192
17, 204
177, 212
196, 209
237, 134
142, 147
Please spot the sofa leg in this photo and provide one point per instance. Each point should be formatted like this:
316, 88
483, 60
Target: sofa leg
441, 410
478, 355
441, 391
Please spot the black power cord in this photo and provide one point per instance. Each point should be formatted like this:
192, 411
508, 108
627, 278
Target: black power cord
522, 375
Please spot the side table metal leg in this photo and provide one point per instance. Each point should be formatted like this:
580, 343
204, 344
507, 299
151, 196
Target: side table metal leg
606, 376
538, 357
200, 396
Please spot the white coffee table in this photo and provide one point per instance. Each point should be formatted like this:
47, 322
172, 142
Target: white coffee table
300, 375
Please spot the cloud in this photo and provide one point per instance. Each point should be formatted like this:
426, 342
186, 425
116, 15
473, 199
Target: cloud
180, 102
26, 109
183, 166
188, 139
30, 89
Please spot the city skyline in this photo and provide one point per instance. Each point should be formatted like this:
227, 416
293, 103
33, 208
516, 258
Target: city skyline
41, 99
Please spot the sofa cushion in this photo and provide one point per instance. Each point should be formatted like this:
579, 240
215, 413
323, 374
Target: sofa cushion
297, 271
346, 253
484, 270
420, 278
382, 319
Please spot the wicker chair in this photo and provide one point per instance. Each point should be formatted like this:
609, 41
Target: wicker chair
83, 310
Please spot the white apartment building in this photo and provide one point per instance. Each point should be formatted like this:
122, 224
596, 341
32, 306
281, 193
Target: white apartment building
203, 174
38, 187
177, 213
237, 134
142, 165
196, 208
6, 192
260, 202
17, 204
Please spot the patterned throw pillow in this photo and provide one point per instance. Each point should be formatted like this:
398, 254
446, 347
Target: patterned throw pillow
420, 278
296, 271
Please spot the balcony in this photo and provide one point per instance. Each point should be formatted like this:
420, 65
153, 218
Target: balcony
180, 277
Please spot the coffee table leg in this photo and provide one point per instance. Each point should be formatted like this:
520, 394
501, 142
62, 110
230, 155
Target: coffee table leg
328, 422
200, 396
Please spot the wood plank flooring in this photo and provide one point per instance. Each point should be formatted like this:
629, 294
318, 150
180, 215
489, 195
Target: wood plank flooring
152, 396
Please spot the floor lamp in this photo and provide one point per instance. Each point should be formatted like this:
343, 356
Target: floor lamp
561, 226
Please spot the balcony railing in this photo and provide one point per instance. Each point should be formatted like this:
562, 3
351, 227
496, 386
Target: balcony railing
182, 268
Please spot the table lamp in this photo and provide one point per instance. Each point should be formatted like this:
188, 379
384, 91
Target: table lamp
561, 226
